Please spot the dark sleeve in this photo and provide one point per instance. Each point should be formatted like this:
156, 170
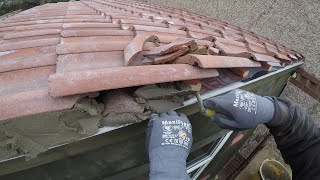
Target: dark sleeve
298, 139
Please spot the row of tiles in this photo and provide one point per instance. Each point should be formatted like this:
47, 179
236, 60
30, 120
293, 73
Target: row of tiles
83, 41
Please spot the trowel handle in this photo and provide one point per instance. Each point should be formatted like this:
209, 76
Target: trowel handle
209, 113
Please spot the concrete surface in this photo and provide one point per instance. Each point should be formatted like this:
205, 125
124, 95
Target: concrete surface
250, 172
293, 23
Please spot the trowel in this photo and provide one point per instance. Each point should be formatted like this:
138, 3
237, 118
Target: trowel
204, 111
196, 87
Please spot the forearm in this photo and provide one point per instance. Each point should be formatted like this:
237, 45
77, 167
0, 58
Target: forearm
297, 137
167, 166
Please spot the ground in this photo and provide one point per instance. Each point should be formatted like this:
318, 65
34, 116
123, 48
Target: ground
293, 23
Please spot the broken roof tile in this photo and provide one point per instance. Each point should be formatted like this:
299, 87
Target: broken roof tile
136, 46
161, 59
171, 47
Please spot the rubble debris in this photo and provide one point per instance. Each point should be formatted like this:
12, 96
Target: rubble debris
164, 105
122, 108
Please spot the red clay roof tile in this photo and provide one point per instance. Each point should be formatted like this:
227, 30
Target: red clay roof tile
33, 102
39, 26
71, 48
98, 32
209, 61
161, 59
29, 44
90, 61
31, 33
171, 47
28, 62
136, 46
63, 84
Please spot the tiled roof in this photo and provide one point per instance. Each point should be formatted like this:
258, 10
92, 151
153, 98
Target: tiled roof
52, 55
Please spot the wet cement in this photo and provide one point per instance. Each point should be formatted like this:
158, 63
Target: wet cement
118, 119
32, 135
163, 97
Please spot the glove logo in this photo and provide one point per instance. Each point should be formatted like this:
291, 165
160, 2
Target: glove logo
245, 101
167, 128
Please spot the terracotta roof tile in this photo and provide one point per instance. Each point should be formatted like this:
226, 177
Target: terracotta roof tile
33, 102
89, 61
161, 59
171, 47
38, 26
136, 46
78, 47
31, 33
25, 79
29, 44
63, 84
98, 32
210, 61
28, 62
91, 25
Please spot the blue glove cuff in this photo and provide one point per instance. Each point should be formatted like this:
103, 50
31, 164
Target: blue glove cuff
268, 110
168, 162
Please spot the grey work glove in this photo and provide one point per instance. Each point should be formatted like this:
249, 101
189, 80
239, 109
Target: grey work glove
169, 139
240, 110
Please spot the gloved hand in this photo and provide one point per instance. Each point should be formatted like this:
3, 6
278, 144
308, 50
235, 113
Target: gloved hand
240, 110
169, 139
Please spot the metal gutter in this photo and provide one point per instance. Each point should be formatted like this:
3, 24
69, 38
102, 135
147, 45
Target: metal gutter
237, 85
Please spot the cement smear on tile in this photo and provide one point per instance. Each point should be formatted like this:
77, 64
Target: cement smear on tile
35, 134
